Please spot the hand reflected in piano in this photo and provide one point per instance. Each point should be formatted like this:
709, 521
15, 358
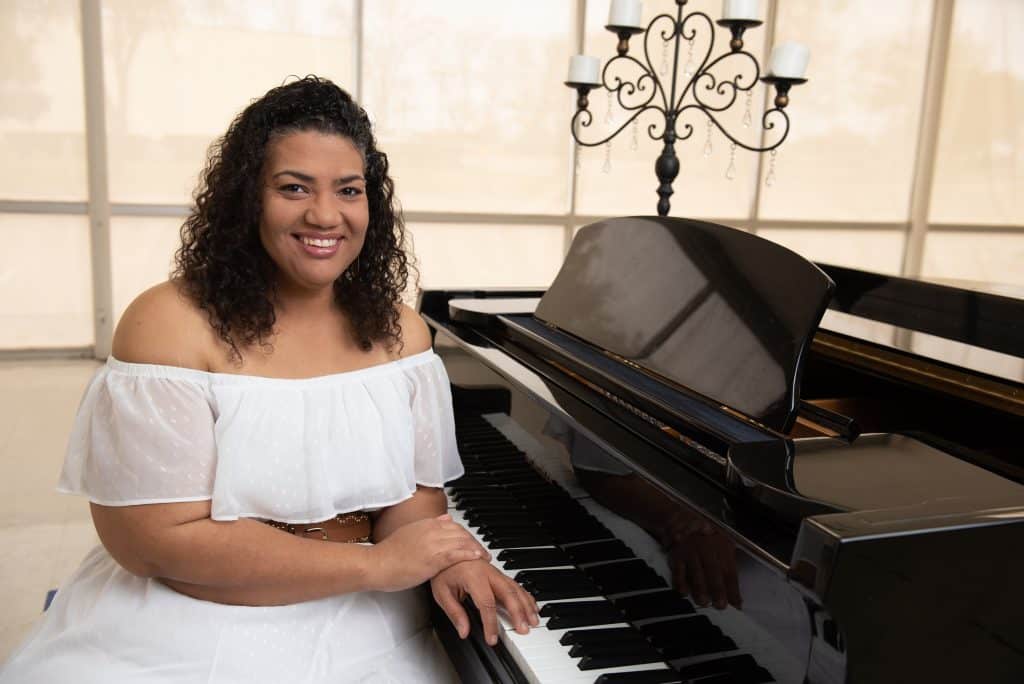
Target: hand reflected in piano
702, 559
490, 591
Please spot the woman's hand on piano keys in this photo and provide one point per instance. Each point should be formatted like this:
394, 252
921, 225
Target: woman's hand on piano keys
489, 589
417, 551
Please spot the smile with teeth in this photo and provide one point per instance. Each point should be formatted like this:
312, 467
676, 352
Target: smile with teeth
319, 242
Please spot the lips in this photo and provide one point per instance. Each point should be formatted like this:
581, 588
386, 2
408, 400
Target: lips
319, 246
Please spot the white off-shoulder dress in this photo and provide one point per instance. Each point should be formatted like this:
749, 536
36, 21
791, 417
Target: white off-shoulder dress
288, 450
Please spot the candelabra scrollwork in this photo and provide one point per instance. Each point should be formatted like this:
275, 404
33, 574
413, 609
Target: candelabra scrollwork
638, 90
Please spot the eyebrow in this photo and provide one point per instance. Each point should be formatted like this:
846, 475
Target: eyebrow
306, 178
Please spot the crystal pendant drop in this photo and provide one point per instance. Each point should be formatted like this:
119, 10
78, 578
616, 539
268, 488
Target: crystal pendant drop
707, 142
608, 112
663, 69
579, 161
769, 180
689, 68
634, 143
607, 166
730, 172
748, 118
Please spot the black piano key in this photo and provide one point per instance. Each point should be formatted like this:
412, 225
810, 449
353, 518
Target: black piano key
516, 559
518, 541
687, 637
625, 647
643, 677
500, 530
653, 605
600, 551
600, 662
580, 614
561, 593
559, 585
691, 627
695, 647
742, 669
631, 575
561, 575
571, 536
601, 636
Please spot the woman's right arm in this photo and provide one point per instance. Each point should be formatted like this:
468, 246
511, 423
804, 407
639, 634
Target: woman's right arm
249, 563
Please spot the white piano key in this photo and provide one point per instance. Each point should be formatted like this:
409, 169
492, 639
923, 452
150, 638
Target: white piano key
545, 661
578, 676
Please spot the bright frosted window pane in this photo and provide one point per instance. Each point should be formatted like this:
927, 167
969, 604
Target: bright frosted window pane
880, 251
462, 255
972, 255
45, 284
178, 71
141, 251
979, 168
468, 101
701, 189
850, 155
42, 120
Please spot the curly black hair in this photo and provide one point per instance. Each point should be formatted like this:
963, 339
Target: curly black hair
222, 264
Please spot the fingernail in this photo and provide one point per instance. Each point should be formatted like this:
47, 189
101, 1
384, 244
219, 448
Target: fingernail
492, 640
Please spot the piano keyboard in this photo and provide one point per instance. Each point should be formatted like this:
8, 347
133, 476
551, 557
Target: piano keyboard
606, 616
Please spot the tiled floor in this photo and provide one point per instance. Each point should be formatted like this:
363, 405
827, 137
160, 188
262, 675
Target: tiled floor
43, 535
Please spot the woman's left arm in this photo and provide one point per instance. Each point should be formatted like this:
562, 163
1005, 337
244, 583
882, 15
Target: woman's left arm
479, 580
426, 502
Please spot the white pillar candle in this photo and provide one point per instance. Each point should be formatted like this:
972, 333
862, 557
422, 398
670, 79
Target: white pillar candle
625, 13
739, 9
584, 69
789, 60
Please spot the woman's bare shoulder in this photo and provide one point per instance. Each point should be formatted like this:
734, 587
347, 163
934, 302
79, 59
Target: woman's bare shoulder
415, 333
163, 326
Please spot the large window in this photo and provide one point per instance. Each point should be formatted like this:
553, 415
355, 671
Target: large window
468, 102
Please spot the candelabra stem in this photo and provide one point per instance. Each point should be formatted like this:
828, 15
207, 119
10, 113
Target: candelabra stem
667, 167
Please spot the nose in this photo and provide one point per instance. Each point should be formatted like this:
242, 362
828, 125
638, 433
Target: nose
323, 212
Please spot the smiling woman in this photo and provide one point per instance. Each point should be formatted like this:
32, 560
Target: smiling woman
320, 175
277, 379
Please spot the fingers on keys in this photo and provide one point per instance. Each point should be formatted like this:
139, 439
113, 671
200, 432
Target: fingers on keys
445, 598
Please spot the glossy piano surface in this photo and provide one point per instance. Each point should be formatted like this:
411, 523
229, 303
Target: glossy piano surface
526, 421
876, 538
846, 596
711, 308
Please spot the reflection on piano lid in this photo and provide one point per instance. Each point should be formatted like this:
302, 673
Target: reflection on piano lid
880, 486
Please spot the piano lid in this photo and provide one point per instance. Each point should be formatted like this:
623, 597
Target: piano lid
714, 309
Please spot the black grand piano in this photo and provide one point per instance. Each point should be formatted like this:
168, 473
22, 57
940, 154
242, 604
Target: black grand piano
713, 461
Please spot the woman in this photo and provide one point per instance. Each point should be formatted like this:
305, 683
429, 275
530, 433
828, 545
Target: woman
274, 379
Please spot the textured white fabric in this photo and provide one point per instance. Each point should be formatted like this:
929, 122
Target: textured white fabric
106, 626
287, 450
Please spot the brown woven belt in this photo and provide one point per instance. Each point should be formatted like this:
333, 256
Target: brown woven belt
347, 527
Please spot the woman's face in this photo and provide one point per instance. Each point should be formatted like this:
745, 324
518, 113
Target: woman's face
315, 211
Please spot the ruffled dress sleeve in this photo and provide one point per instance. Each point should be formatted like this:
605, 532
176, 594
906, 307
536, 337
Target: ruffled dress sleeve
435, 452
142, 436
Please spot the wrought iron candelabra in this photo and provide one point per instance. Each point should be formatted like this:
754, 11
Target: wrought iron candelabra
646, 92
